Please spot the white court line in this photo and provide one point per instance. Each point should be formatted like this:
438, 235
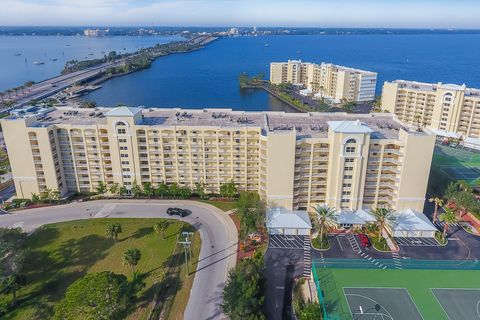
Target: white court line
441, 305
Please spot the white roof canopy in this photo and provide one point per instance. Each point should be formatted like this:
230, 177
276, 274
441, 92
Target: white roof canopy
444, 133
410, 220
283, 218
355, 217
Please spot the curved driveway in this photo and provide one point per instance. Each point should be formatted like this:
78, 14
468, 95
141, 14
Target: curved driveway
217, 230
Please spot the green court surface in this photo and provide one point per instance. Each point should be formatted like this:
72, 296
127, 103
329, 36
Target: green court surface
458, 164
399, 294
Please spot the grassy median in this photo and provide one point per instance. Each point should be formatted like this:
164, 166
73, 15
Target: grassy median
62, 253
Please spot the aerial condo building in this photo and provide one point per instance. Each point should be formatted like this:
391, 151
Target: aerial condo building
326, 80
446, 109
295, 160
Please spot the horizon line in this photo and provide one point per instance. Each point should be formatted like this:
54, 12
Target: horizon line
236, 26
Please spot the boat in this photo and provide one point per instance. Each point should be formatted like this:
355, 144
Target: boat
90, 54
38, 63
266, 44
53, 59
17, 54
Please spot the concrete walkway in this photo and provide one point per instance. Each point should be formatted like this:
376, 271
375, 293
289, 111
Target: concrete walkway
218, 232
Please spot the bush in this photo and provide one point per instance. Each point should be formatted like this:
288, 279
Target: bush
243, 294
321, 244
103, 295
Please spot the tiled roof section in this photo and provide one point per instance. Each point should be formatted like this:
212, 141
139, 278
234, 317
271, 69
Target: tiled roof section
349, 126
123, 112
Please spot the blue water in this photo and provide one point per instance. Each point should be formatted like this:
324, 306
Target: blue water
14, 71
208, 77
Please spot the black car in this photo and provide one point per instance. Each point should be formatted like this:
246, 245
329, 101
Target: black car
178, 212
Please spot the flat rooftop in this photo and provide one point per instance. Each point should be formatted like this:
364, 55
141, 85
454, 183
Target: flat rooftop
325, 64
432, 87
313, 124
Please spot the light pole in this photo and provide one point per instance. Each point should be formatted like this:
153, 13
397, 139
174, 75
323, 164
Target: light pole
186, 243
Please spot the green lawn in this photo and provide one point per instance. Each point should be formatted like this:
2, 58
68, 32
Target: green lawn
61, 253
222, 205
417, 282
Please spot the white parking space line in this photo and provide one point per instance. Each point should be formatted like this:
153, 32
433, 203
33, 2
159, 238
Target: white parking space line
341, 248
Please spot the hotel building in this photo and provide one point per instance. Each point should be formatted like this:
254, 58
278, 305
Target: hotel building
446, 109
295, 160
326, 80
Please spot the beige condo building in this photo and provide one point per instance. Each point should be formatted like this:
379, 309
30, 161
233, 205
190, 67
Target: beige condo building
295, 160
443, 108
326, 80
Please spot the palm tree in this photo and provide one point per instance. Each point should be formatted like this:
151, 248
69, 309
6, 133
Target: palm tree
448, 217
325, 218
113, 230
384, 217
160, 227
131, 257
438, 203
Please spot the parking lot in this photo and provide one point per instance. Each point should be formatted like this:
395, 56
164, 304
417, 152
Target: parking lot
416, 242
286, 242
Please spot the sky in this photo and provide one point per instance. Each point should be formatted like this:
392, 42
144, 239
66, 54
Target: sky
274, 13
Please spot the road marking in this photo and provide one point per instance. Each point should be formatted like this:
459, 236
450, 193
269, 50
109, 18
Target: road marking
339, 243
105, 210
18, 225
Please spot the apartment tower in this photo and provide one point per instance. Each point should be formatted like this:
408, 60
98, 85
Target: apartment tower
326, 80
442, 108
299, 160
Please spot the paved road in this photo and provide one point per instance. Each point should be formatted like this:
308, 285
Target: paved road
218, 233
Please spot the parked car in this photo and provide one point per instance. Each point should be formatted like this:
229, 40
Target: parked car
178, 212
364, 241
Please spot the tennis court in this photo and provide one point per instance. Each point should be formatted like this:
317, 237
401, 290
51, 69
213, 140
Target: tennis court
385, 294
458, 164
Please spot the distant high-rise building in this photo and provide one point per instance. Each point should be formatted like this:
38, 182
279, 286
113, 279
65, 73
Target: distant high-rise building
233, 32
447, 109
326, 80
96, 32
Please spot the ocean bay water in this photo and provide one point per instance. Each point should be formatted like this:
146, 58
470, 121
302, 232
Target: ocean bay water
209, 77
18, 54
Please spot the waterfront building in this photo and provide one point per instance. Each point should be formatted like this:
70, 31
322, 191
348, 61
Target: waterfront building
326, 80
448, 110
295, 160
